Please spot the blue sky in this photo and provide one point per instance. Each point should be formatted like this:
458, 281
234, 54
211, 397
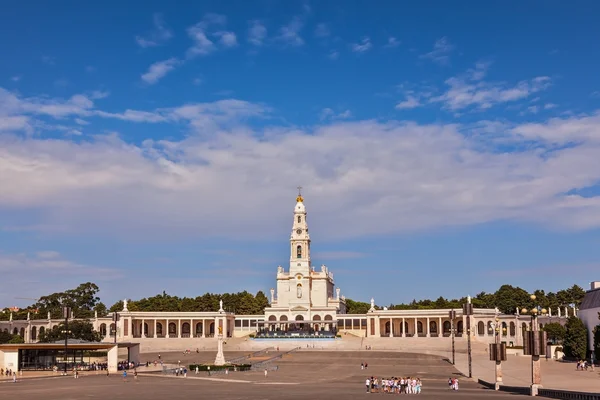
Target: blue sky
158, 147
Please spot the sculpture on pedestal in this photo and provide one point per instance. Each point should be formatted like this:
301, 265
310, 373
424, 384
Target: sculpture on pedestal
220, 359
125, 305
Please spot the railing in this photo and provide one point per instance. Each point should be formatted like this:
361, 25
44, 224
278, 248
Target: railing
255, 354
550, 393
264, 364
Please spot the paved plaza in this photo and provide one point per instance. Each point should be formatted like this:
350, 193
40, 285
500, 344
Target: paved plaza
300, 375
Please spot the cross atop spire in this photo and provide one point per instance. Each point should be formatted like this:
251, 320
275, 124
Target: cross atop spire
299, 199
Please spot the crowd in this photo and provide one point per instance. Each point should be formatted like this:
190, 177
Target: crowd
408, 385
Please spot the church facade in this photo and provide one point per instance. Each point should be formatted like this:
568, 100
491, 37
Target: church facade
304, 303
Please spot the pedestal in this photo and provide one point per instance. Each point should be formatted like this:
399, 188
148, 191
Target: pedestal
498, 373
220, 359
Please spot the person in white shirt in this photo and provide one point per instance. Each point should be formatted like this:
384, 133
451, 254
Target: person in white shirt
368, 384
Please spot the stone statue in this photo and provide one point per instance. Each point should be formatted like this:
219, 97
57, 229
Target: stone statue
299, 291
28, 317
469, 299
125, 305
220, 305
337, 293
279, 269
496, 310
272, 295
372, 304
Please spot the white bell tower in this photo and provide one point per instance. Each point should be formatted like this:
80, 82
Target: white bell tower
300, 240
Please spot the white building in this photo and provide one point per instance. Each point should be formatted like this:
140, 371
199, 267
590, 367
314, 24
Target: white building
305, 302
590, 309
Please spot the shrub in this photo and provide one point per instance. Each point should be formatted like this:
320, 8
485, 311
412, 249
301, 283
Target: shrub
204, 367
575, 343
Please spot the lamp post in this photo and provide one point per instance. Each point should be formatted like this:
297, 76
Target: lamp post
115, 319
468, 311
452, 315
497, 350
534, 344
66, 316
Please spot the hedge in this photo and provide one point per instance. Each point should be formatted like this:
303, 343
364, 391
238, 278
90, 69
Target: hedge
204, 367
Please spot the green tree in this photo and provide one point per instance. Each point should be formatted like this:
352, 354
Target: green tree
262, 302
575, 342
597, 341
100, 308
356, 307
16, 339
78, 329
555, 331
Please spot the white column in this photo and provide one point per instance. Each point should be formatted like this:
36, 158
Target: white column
403, 328
179, 328
416, 329
203, 328
167, 329
440, 330
155, 328
391, 327
144, 333
428, 335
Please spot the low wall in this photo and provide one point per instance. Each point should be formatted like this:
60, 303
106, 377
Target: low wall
549, 393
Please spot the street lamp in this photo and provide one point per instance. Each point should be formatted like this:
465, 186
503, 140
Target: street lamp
497, 350
468, 311
452, 315
66, 315
534, 344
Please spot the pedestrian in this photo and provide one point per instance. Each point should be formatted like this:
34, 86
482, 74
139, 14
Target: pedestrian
368, 384
14, 377
196, 370
124, 375
265, 372
135, 374
362, 366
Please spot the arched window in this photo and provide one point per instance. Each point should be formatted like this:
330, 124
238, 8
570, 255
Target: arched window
299, 251
459, 327
42, 330
22, 332
172, 328
185, 328
113, 330
419, 327
447, 327
504, 329
15, 331
489, 328
33, 333
103, 329
299, 219
512, 329
199, 328
480, 328
159, 328
145, 327
432, 327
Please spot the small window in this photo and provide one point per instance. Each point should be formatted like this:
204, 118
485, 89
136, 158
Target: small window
299, 219
299, 252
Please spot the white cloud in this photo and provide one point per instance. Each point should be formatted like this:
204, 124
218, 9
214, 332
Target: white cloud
16, 78
333, 55
363, 46
227, 39
441, 51
257, 33
48, 269
549, 106
201, 31
133, 116
392, 42
158, 37
197, 81
159, 69
328, 113
410, 102
322, 30
290, 34
470, 90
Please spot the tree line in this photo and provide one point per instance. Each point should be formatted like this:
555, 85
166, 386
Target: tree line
507, 298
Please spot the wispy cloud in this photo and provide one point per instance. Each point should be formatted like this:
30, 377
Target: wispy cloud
227, 39
16, 78
470, 89
441, 51
333, 55
159, 36
328, 113
159, 70
49, 60
408, 103
392, 42
257, 33
338, 255
361, 47
290, 34
322, 30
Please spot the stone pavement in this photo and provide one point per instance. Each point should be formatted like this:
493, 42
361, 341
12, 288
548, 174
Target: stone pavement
516, 371
312, 375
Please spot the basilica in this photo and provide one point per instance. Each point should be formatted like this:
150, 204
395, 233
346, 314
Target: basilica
305, 304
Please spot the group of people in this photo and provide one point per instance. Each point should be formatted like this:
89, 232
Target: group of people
453, 383
583, 365
9, 373
406, 385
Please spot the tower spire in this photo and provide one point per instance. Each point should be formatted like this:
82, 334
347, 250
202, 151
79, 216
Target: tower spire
299, 199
